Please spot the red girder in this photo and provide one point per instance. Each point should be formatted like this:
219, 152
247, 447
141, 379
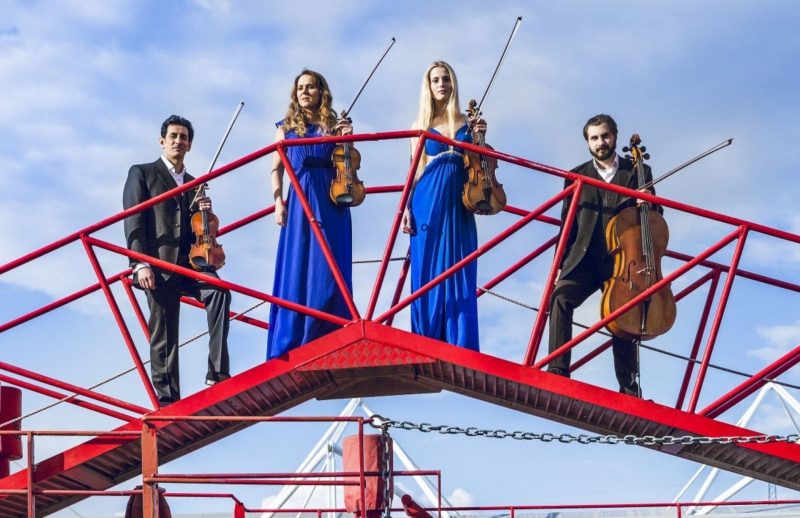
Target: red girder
371, 357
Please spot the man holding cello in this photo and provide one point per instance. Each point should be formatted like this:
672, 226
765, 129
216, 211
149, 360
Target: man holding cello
164, 231
587, 263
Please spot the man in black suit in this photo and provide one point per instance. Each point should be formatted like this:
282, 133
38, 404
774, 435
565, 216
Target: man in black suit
586, 263
164, 231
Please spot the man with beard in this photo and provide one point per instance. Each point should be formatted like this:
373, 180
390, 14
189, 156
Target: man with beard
586, 263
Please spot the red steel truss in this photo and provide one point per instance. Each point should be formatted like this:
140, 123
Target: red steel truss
369, 356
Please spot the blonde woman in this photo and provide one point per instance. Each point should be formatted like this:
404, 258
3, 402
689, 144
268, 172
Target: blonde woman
301, 273
442, 231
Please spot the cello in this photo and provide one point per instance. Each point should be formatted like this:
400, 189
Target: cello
637, 239
347, 190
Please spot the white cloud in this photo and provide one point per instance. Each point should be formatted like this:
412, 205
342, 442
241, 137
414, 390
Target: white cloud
781, 339
461, 498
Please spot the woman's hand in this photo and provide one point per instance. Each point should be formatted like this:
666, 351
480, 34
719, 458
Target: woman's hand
280, 212
344, 126
408, 222
477, 124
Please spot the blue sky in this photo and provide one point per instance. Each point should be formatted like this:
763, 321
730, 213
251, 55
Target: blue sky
85, 86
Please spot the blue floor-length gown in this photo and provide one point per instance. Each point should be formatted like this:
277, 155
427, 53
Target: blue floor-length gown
445, 233
301, 273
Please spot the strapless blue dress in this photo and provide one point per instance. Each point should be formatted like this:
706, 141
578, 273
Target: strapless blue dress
445, 234
301, 273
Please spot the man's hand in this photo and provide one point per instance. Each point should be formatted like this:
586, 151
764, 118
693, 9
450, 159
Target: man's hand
146, 278
204, 203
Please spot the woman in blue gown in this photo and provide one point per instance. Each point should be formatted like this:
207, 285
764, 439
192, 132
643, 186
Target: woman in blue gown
442, 231
301, 273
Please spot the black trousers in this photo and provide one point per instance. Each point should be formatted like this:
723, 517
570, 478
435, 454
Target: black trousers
164, 302
570, 292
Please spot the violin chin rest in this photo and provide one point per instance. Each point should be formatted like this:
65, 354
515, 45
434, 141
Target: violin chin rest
345, 199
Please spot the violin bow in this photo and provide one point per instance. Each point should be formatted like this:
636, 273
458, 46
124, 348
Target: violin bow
346, 112
201, 191
499, 63
714, 149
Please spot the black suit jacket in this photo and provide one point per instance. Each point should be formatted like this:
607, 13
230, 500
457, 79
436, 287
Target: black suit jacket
586, 236
164, 230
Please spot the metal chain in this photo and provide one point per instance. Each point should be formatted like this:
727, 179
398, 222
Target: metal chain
371, 261
386, 471
378, 421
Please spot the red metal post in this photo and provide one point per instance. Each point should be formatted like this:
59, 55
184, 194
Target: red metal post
439, 493
65, 398
73, 388
398, 216
712, 336
123, 327
231, 314
747, 387
31, 488
544, 305
75, 236
362, 479
149, 470
646, 293
58, 303
463, 262
187, 272
701, 329
516, 266
401, 281
321, 241
605, 345
137, 309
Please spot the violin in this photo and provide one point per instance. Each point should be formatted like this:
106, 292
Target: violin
206, 254
346, 189
482, 193
637, 239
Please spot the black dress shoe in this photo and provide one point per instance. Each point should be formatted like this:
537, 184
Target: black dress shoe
216, 379
558, 372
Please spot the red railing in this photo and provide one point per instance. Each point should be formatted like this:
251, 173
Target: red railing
741, 229
151, 478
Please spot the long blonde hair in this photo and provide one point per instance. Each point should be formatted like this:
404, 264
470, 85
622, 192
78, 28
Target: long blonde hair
296, 117
425, 116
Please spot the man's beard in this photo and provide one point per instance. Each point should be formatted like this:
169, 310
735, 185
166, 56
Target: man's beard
603, 153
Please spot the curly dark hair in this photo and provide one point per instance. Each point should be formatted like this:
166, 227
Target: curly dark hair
297, 118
